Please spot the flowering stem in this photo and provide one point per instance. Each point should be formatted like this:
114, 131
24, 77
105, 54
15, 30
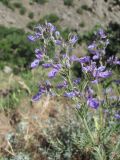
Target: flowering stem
101, 110
88, 130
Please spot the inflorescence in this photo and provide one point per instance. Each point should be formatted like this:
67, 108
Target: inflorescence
93, 67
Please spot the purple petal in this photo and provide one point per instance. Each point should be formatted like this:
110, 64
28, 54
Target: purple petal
57, 33
95, 81
57, 66
58, 42
117, 81
52, 73
74, 58
101, 68
93, 103
84, 59
86, 69
73, 39
38, 54
51, 27
31, 38
101, 33
105, 74
46, 65
92, 48
77, 81
95, 57
62, 85
70, 94
36, 97
37, 51
117, 116
35, 63
116, 61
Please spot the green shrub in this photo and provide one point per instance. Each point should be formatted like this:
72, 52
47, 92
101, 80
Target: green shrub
79, 10
113, 30
82, 24
31, 15
85, 7
31, 25
17, 4
41, 1
68, 2
53, 18
22, 10
15, 48
7, 4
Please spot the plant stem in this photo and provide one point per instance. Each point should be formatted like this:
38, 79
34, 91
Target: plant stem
87, 128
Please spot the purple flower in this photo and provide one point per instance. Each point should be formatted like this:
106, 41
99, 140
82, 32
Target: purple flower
101, 33
31, 38
93, 103
101, 68
89, 92
57, 34
110, 60
42, 89
36, 97
117, 81
38, 35
52, 73
105, 74
38, 54
116, 61
84, 59
46, 65
95, 57
51, 27
86, 68
77, 81
74, 58
70, 94
92, 48
90, 68
117, 116
95, 81
73, 39
57, 66
58, 42
62, 85
35, 63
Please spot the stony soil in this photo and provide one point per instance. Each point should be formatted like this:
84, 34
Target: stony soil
102, 12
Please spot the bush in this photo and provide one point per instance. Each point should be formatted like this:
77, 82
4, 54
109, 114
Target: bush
22, 10
7, 4
85, 7
114, 31
17, 4
31, 15
14, 47
82, 24
41, 1
53, 18
79, 10
68, 2
31, 25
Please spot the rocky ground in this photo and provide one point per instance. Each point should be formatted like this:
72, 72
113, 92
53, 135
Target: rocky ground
97, 12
